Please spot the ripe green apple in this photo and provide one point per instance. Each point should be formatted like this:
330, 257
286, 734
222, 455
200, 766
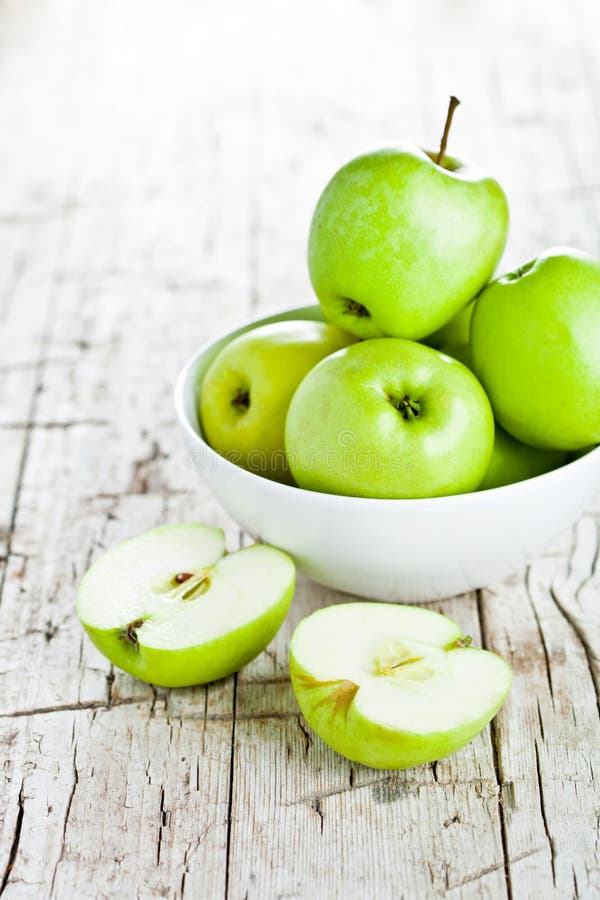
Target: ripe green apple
513, 461
389, 418
454, 332
457, 350
402, 239
170, 608
535, 344
393, 686
247, 390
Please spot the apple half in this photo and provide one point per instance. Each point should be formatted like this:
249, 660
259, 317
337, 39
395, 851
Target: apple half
172, 608
393, 686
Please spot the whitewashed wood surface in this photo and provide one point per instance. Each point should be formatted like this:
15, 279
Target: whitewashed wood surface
159, 161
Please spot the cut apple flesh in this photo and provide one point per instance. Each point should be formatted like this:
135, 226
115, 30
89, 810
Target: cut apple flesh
130, 580
404, 672
170, 608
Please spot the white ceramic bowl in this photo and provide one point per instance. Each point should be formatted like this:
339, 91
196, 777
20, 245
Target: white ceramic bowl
388, 549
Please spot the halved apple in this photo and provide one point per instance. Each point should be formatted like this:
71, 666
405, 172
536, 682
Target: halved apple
393, 686
170, 608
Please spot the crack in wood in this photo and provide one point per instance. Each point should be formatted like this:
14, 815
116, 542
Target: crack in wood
231, 787
70, 707
306, 736
142, 469
583, 641
319, 811
49, 426
540, 631
486, 870
163, 819
543, 813
593, 568
67, 811
189, 852
14, 847
497, 760
346, 789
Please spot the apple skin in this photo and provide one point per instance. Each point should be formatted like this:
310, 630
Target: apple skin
514, 461
357, 738
458, 350
453, 333
200, 664
269, 362
535, 339
345, 435
398, 245
511, 460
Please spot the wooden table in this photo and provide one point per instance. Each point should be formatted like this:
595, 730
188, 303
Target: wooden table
160, 161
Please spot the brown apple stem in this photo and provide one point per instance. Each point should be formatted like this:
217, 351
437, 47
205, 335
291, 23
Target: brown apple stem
454, 102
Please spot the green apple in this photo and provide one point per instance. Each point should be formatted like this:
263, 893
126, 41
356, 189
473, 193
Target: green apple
513, 461
535, 344
577, 454
458, 350
393, 686
389, 418
170, 608
247, 390
402, 239
455, 332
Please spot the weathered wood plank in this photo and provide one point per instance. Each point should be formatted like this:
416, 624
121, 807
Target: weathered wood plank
157, 185
547, 737
125, 800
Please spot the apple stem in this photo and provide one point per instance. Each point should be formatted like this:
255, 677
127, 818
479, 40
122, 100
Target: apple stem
406, 406
357, 309
241, 399
454, 102
464, 641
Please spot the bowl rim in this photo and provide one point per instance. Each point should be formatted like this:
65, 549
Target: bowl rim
185, 380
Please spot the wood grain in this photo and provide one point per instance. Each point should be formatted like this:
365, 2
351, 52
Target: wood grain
160, 162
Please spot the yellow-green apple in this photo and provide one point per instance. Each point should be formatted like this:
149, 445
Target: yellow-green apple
513, 461
389, 418
393, 686
247, 390
171, 608
535, 346
402, 239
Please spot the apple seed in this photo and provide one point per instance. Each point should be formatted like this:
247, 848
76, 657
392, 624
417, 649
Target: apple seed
199, 588
181, 577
